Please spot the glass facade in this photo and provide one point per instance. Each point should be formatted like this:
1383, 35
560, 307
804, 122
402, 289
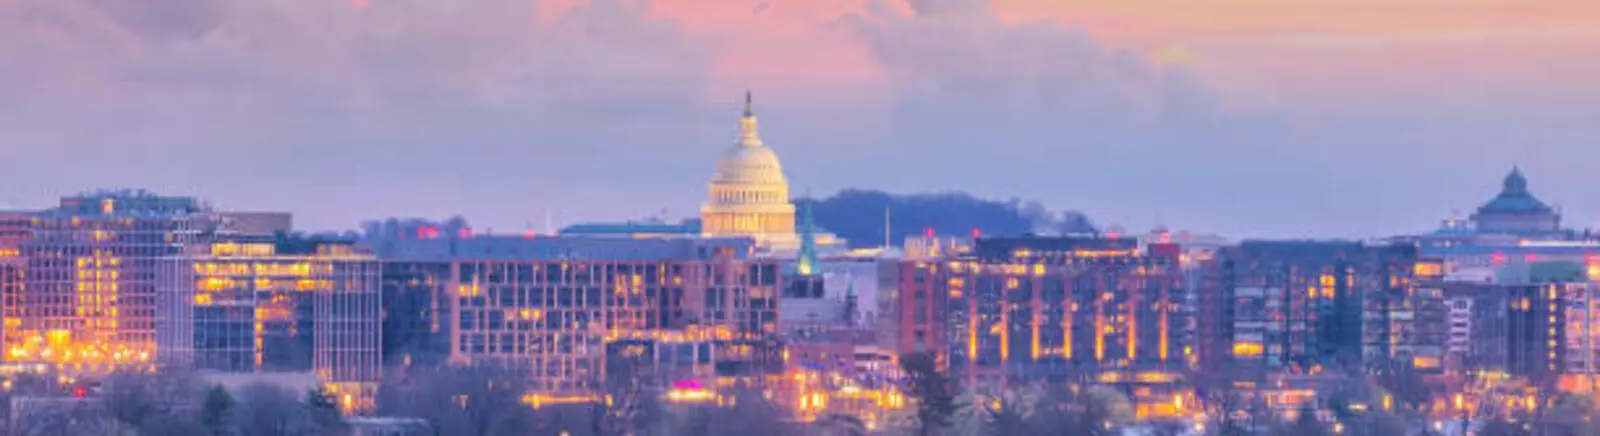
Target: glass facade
88, 287
551, 307
243, 307
1302, 305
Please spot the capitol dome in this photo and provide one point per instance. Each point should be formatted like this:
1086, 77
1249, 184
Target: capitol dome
748, 195
749, 162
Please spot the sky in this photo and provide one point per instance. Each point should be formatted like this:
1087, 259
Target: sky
1249, 118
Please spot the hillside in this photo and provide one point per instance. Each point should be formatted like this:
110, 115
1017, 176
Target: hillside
858, 215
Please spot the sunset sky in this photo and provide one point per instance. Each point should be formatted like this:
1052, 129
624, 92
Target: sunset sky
1242, 117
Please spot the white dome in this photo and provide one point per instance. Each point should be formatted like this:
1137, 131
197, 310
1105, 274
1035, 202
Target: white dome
748, 195
744, 165
749, 162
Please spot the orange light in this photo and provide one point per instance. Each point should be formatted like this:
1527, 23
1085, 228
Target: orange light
1246, 349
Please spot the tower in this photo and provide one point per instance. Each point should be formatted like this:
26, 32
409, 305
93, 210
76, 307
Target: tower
806, 264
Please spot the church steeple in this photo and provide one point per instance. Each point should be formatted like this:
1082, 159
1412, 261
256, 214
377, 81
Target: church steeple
807, 263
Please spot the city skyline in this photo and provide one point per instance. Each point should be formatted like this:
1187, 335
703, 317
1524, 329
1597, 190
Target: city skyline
1301, 118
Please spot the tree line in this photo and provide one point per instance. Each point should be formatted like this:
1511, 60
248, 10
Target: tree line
164, 404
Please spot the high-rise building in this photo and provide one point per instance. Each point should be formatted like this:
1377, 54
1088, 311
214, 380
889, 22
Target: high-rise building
82, 276
415, 313
1301, 305
553, 306
89, 293
263, 304
1462, 302
1035, 308
14, 230
1533, 334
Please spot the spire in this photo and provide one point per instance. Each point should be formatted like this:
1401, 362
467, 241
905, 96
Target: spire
807, 263
748, 111
748, 135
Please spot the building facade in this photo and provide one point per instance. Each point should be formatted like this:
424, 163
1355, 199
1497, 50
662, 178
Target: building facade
1300, 305
552, 306
1033, 308
263, 306
88, 297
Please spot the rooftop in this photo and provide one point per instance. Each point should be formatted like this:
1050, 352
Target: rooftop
555, 248
654, 227
1514, 197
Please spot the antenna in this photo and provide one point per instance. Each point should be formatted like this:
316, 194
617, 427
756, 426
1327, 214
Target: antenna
887, 240
549, 225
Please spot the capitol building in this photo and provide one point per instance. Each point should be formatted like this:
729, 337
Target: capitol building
749, 196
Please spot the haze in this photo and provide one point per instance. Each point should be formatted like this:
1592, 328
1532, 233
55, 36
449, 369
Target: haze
1241, 117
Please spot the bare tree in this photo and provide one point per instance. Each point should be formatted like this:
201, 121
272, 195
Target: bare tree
167, 425
1094, 411
69, 417
135, 397
464, 401
631, 406
267, 410
216, 410
749, 413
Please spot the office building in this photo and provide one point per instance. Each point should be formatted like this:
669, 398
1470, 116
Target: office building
1299, 306
265, 305
1035, 308
89, 293
552, 306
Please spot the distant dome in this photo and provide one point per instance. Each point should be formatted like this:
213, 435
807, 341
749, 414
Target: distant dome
1514, 197
1516, 211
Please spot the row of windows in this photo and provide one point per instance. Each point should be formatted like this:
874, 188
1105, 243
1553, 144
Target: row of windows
724, 196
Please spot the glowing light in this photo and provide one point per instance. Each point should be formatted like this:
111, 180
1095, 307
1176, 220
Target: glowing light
1246, 349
